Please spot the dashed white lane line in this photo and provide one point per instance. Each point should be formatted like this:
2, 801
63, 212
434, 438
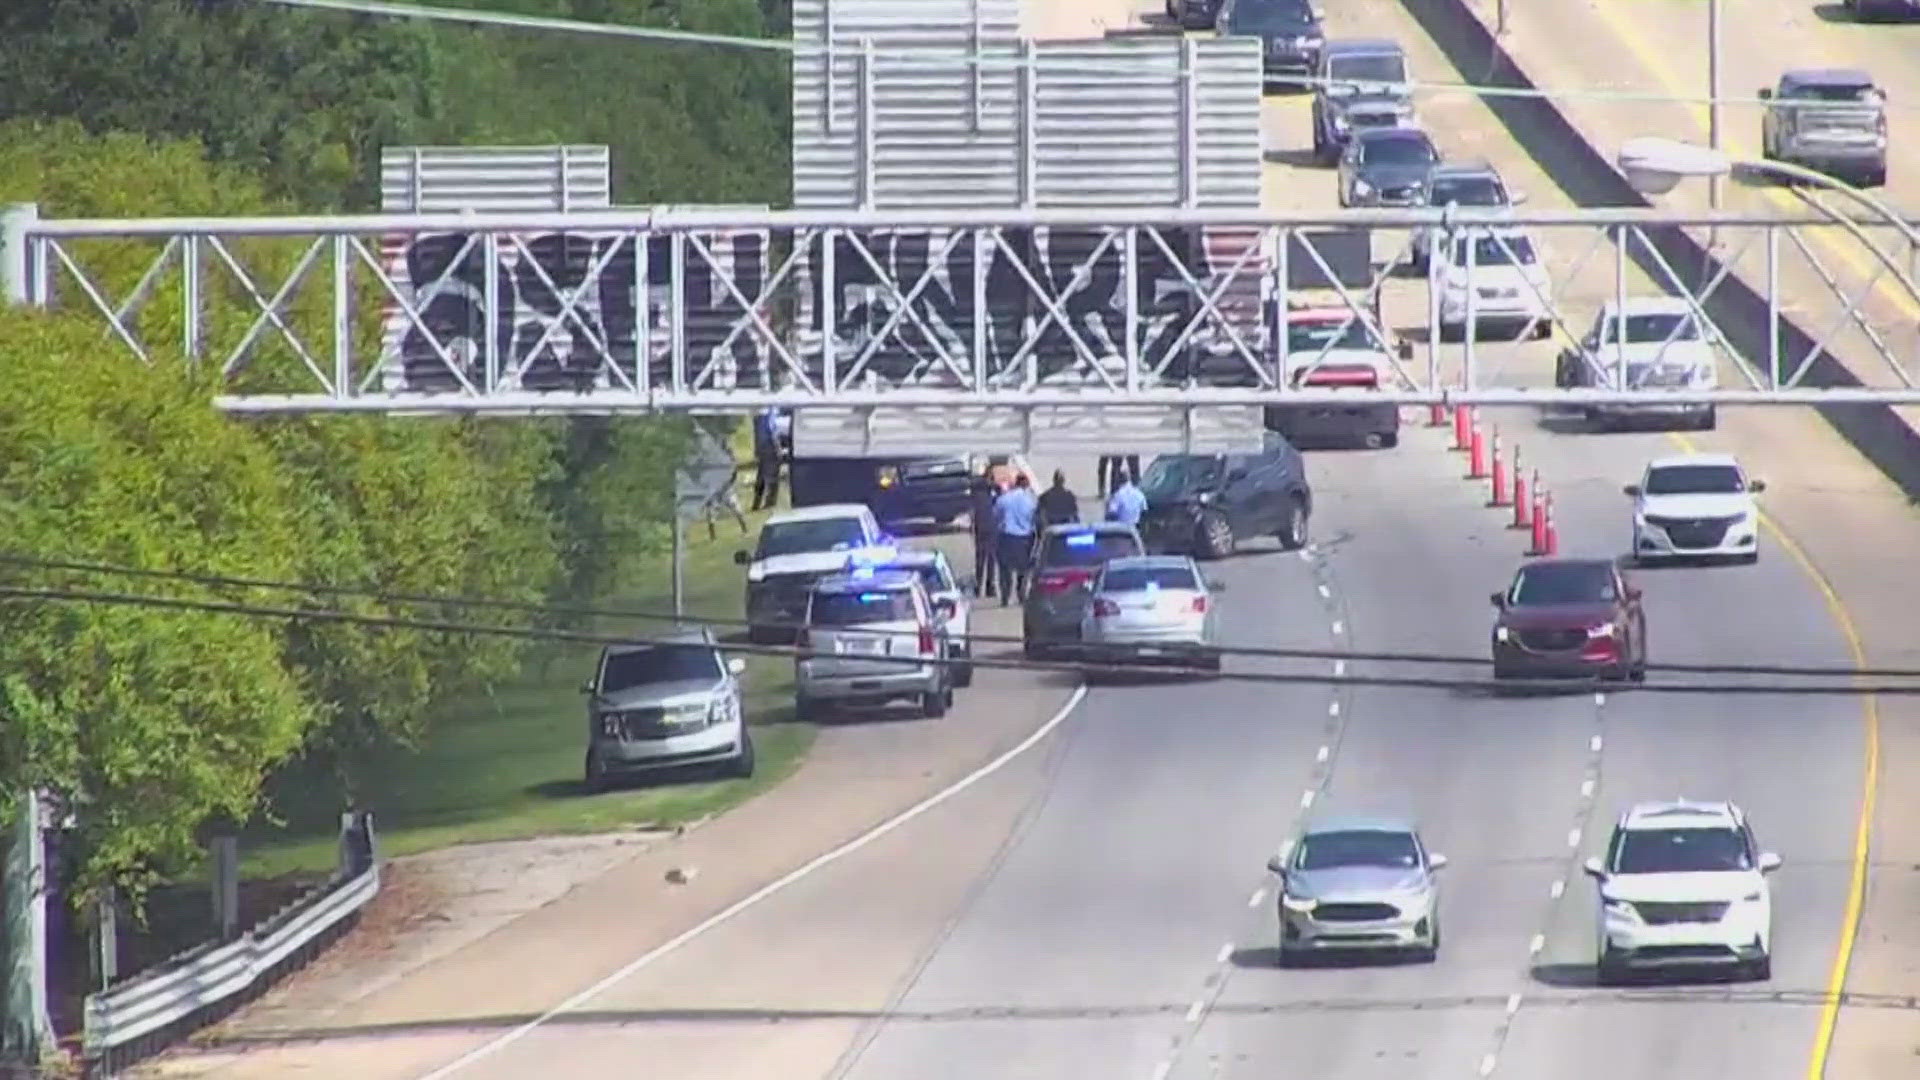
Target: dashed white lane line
1487, 1065
1161, 1070
1306, 554
1325, 592
1513, 1004
1339, 627
1539, 942
1306, 798
1599, 699
1558, 888
1586, 788
1225, 953
1333, 708
1256, 898
1573, 837
1339, 668
1321, 755
1594, 744
1194, 1010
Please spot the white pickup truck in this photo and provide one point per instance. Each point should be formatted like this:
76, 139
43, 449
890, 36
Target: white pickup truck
1665, 348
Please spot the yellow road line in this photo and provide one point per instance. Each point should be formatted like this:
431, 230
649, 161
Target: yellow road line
1651, 60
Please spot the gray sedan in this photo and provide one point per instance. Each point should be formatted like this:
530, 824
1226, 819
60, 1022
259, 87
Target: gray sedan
1358, 883
1156, 608
1387, 167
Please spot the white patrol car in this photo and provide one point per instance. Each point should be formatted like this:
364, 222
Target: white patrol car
796, 548
1683, 884
1695, 506
872, 636
1494, 277
1665, 347
951, 597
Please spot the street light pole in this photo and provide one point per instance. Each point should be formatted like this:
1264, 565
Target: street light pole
1713, 116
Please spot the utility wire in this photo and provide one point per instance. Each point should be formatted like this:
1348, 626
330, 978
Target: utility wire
575, 612
935, 57
218, 607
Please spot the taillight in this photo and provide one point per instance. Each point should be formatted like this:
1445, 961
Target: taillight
926, 640
1103, 608
1058, 581
802, 640
1200, 605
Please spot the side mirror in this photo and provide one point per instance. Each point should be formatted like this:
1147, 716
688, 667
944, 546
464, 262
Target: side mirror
741, 558
1277, 865
1594, 870
945, 608
1632, 489
1756, 486
736, 665
1769, 862
1766, 93
1516, 197
1436, 860
1216, 587
587, 688
1499, 599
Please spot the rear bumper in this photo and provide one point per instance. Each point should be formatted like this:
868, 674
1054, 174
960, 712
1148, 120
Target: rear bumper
830, 685
1145, 646
922, 499
1307, 425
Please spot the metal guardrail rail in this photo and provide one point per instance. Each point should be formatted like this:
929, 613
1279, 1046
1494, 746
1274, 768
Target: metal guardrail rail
135, 1018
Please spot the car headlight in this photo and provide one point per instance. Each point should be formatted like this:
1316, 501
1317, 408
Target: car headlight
887, 476
1501, 633
755, 574
609, 723
1299, 904
1621, 908
1605, 629
1340, 122
1361, 187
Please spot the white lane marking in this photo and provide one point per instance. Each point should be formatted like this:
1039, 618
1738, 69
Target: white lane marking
728, 913
1194, 1010
1559, 888
1573, 837
1487, 1065
1306, 798
1513, 1004
1339, 668
1339, 627
1325, 592
1258, 895
1306, 554
1594, 744
1599, 699
1321, 755
1161, 1070
1333, 708
1539, 942
1586, 788
1225, 953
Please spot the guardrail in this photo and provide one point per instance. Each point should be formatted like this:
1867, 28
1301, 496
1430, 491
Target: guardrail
135, 1018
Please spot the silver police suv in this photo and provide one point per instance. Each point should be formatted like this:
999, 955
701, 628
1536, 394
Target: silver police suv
670, 703
872, 636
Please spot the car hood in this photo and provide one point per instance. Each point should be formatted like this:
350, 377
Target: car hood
1345, 882
801, 562
1496, 275
1551, 616
1641, 353
1368, 101
1680, 888
1394, 175
1717, 505
678, 692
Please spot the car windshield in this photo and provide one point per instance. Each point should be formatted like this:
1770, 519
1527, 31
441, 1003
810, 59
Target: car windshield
1386, 69
1829, 92
1311, 336
659, 664
1258, 16
1653, 329
1679, 851
1175, 473
798, 537
1087, 548
1357, 847
1398, 150
856, 608
1695, 480
1563, 583
1468, 191
1496, 251
1141, 578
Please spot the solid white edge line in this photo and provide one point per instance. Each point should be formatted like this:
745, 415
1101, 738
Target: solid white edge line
508, 1038
1194, 1010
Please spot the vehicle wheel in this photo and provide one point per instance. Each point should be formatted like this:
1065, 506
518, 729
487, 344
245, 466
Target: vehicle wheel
1033, 650
1215, 540
933, 704
944, 520
1172, 14
1638, 672
740, 766
1708, 420
963, 674
1874, 179
1543, 330
805, 710
1749, 558
1761, 970
1293, 536
1285, 957
1389, 439
1608, 971
594, 777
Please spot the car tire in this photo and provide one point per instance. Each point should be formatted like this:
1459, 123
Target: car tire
1748, 559
806, 710
1708, 420
1285, 957
1608, 971
1760, 970
740, 766
594, 775
963, 674
1294, 535
1389, 439
1033, 650
934, 703
1214, 537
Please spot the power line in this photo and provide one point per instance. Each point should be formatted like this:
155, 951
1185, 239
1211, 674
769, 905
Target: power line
933, 57
218, 607
577, 612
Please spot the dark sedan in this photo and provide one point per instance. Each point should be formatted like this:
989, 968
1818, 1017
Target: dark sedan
1570, 618
1290, 35
1387, 167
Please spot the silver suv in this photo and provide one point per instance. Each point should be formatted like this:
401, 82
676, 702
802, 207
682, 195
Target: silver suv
870, 637
1832, 120
671, 703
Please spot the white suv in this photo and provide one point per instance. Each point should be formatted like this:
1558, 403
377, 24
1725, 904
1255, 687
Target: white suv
1695, 506
1506, 275
1683, 884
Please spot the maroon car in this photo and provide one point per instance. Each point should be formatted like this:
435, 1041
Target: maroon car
1569, 618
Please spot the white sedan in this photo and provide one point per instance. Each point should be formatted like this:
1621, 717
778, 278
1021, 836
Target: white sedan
1695, 506
1498, 276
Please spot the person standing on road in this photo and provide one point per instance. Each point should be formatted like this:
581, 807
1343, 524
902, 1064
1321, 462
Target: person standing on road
1058, 504
980, 518
1127, 503
1111, 467
1013, 517
768, 427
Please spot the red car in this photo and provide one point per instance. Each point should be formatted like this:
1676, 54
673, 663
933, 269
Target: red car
1570, 618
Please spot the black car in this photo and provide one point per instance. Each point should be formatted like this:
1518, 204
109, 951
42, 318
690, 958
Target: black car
1289, 32
895, 489
1205, 504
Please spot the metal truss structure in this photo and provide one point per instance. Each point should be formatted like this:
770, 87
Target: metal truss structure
935, 316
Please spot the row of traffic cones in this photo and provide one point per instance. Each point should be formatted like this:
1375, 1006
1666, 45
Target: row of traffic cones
1532, 504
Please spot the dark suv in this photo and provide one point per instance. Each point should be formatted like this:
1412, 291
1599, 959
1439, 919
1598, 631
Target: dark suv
1570, 618
1289, 31
1204, 504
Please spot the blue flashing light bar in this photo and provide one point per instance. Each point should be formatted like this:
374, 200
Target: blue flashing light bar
1085, 539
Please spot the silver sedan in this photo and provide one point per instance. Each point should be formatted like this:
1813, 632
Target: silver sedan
1154, 608
1358, 883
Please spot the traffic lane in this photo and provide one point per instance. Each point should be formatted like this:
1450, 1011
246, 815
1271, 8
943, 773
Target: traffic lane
1493, 783
1101, 921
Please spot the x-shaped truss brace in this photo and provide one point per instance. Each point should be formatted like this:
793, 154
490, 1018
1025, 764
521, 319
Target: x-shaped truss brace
1356, 309
1209, 305
902, 305
570, 309
752, 314
412, 313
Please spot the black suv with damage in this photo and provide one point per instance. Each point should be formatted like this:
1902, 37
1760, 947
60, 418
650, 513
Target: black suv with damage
1205, 504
